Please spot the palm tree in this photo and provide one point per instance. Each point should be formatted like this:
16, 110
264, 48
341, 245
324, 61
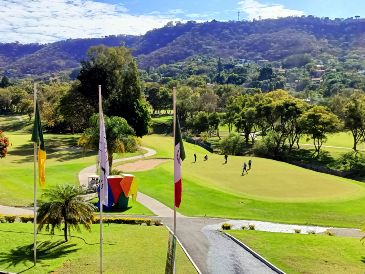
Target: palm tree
64, 204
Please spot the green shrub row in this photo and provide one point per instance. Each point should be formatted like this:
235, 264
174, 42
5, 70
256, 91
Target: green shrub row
13, 218
127, 220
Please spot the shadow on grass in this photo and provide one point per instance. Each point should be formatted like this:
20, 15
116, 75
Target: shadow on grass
46, 250
59, 148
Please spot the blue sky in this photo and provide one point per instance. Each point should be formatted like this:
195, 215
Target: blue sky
44, 21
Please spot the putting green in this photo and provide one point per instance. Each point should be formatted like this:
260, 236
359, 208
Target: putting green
267, 180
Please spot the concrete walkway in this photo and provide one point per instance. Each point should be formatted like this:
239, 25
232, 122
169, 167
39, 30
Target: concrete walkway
91, 170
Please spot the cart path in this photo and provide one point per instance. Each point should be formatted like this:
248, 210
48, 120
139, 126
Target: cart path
212, 251
91, 170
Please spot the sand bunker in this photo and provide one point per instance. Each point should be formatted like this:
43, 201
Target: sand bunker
141, 165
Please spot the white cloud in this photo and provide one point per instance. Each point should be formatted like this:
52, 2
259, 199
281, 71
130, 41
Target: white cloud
255, 10
46, 21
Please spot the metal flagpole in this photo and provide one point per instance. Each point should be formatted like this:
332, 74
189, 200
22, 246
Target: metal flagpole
174, 128
35, 184
101, 197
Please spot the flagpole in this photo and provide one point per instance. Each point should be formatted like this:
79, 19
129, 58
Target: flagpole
35, 185
101, 200
174, 128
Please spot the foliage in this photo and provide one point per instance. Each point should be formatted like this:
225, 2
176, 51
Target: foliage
120, 136
234, 144
122, 220
4, 143
10, 218
317, 122
251, 227
226, 226
354, 118
64, 205
116, 71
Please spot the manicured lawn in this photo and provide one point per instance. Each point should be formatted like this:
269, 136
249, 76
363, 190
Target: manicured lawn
272, 190
126, 249
64, 162
295, 253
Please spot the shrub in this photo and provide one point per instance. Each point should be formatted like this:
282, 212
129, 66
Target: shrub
157, 222
329, 233
268, 146
251, 227
297, 231
226, 226
234, 144
148, 222
311, 232
2, 219
10, 218
26, 219
244, 227
122, 220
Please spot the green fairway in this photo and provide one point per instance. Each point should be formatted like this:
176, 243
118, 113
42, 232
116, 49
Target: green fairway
272, 191
126, 249
296, 253
64, 162
339, 139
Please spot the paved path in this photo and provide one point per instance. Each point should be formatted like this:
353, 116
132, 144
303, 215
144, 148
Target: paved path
15, 210
211, 250
91, 170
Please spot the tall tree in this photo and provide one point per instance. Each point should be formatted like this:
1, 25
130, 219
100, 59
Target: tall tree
317, 122
354, 118
116, 70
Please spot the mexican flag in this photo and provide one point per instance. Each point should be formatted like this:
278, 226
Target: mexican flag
179, 156
37, 137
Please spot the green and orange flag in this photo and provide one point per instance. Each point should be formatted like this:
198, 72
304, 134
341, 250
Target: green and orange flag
37, 137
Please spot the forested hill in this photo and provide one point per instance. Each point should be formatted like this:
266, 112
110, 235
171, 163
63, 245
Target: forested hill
262, 39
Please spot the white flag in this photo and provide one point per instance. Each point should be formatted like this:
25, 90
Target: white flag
103, 161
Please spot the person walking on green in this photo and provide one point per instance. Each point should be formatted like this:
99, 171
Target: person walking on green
249, 164
225, 158
244, 168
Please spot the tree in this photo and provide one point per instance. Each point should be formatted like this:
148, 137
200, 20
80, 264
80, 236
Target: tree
4, 143
354, 118
4, 83
75, 109
64, 204
317, 122
119, 136
116, 71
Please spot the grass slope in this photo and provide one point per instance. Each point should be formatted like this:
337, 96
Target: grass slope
272, 191
64, 162
126, 249
295, 253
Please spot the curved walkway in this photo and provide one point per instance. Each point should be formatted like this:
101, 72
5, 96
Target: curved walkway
211, 250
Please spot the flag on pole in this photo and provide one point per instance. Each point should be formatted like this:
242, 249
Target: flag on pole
179, 156
37, 137
103, 160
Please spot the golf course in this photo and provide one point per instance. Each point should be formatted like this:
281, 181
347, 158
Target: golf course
270, 191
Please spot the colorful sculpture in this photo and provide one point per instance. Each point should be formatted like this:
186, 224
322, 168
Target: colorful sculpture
121, 188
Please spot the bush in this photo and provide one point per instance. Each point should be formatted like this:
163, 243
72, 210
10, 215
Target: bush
329, 233
226, 226
234, 144
311, 232
122, 220
297, 231
267, 146
2, 219
26, 219
244, 227
10, 218
251, 227
157, 222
